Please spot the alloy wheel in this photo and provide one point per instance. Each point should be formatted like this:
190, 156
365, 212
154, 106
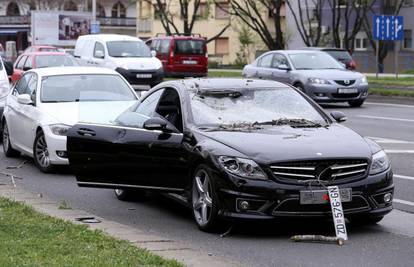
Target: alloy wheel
201, 198
42, 153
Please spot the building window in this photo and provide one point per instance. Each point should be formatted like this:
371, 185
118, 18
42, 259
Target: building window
408, 40
12, 9
222, 11
70, 6
100, 11
361, 43
222, 46
118, 10
202, 11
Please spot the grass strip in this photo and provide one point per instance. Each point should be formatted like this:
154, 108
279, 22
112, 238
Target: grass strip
29, 238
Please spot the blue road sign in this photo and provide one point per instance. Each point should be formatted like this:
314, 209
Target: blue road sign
389, 28
95, 27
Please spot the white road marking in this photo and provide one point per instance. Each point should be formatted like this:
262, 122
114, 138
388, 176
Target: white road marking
405, 202
389, 140
384, 118
389, 104
398, 151
404, 177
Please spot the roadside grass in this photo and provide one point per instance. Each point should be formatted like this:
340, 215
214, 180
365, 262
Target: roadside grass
29, 238
391, 81
224, 74
390, 92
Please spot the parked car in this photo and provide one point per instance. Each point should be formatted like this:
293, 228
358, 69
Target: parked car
4, 84
341, 55
35, 60
315, 73
181, 56
234, 148
41, 48
127, 55
45, 103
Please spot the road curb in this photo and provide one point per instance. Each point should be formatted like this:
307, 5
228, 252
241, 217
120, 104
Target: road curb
158, 245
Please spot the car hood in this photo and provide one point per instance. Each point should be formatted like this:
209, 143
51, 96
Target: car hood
337, 74
144, 63
70, 113
286, 143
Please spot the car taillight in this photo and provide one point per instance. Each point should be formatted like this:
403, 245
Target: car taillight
172, 56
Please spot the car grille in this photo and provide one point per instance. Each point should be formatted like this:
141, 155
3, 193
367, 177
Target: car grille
345, 82
331, 171
352, 95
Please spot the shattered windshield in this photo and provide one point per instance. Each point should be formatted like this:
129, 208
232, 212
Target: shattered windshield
252, 107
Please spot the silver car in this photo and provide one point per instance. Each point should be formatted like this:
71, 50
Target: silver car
315, 73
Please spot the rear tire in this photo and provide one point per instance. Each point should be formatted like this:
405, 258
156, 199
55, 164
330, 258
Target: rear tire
129, 194
356, 103
41, 154
7, 147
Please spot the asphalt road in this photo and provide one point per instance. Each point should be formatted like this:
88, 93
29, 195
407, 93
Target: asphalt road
391, 243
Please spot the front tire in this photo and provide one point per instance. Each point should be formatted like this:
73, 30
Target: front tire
356, 103
300, 87
7, 147
129, 194
204, 201
41, 154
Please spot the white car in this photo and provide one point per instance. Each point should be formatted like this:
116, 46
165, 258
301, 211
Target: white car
45, 103
4, 85
128, 55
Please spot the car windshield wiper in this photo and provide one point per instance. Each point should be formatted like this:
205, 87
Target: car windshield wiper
292, 122
220, 93
243, 126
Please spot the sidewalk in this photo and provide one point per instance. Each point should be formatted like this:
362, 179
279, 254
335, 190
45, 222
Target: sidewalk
159, 245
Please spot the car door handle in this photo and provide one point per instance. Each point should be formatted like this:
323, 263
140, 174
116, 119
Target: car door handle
86, 132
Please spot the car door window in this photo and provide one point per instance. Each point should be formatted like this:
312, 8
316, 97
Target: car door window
165, 46
266, 61
278, 60
22, 85
28, 63
21, 62
31, 87
169, 107
149, 104
98, 47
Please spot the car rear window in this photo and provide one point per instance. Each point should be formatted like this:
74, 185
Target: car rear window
54, 61
48, 49
339, 55
189, 47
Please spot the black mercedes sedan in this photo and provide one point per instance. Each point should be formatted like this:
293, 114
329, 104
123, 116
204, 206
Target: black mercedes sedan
234, 149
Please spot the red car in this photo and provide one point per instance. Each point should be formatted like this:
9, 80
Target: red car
181, 56
34, 60
41, 48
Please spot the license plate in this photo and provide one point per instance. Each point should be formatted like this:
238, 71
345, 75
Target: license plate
144, 75
338, 217
308, 197
347, 90
189, 62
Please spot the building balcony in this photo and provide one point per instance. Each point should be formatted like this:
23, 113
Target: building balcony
14, 20
117, 22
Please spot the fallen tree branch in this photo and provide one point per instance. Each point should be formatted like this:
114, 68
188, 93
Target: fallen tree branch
318, 238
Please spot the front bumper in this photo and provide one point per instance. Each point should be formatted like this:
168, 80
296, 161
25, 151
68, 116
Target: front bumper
156, 76
55, 143
329, 92
270, 199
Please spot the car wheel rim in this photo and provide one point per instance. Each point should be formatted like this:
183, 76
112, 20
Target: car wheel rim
42, 153
202, 201
5, 138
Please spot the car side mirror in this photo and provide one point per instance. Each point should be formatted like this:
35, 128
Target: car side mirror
26, 68
338, 116
284, 67
24, 99
99, 54
156, 124
153, 53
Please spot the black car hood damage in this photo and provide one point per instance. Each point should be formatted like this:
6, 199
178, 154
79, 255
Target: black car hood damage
284, 143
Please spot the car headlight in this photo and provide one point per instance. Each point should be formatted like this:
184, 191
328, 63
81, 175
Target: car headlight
59, 129
364, 80
318, 81
245, 168
4, 89
380, 163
